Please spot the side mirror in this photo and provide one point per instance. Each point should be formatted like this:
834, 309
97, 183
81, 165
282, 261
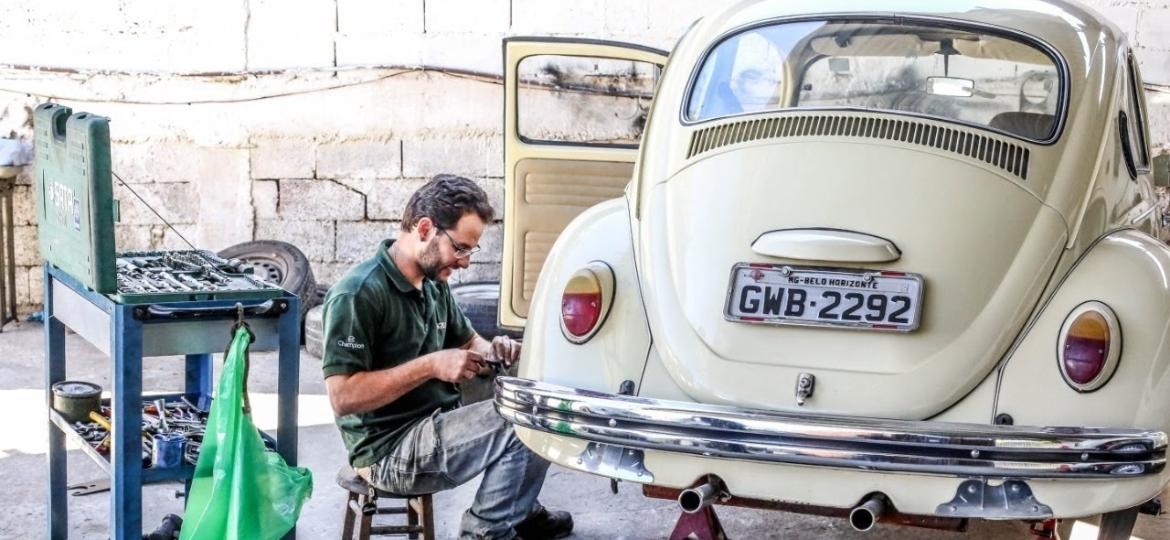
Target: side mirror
1160, 167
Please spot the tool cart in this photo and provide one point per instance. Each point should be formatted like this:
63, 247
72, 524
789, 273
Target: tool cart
132, 306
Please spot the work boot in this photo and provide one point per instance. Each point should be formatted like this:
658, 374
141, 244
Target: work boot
544, 525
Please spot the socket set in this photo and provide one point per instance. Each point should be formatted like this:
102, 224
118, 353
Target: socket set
166, 276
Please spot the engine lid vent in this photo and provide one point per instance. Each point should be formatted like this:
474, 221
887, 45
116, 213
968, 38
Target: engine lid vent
1010, 157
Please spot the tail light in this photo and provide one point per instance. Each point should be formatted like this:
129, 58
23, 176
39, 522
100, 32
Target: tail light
1089, 346
586, 301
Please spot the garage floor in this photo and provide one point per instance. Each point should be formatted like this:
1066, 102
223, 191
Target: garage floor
598, 514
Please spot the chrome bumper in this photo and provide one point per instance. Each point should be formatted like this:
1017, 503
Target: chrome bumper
964, 450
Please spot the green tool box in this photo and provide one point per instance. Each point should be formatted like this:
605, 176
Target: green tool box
77, 211
75, 195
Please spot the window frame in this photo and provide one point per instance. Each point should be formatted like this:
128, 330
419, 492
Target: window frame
1132, 118
1040, 45
653, 94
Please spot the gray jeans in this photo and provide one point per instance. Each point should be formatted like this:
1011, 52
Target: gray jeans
450, 448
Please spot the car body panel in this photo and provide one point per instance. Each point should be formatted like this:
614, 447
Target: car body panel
969, 318
1009, 234
1137, 393
617, 352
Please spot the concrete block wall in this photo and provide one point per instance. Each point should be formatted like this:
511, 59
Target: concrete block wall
257, 119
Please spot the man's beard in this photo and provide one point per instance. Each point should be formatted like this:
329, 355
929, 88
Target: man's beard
431, 262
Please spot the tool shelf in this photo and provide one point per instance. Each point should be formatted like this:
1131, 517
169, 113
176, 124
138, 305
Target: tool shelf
127, 333
149, 474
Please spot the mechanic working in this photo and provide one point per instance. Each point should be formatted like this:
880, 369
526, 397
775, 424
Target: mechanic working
396, 348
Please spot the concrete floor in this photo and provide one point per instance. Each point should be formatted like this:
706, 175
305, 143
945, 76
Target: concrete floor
598, 514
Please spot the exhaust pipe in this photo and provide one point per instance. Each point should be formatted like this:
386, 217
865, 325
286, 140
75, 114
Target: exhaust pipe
866, 515
694, 499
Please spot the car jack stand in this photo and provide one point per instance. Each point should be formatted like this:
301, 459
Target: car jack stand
1045, 529
701, 525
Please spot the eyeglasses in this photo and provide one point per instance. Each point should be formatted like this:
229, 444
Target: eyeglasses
460, 251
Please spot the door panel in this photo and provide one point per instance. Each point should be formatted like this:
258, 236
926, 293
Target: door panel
555, 192
573, 115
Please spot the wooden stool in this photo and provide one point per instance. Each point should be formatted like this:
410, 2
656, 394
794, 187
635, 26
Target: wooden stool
363, 503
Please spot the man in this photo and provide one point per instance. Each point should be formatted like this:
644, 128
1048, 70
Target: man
396, 348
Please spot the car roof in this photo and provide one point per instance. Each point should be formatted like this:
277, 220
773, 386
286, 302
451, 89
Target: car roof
1071, 28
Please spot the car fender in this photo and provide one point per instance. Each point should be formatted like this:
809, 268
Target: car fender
617, 352
1129, 271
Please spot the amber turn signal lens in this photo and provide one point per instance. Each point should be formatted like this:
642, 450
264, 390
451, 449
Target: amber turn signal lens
1085, 347
1088, 344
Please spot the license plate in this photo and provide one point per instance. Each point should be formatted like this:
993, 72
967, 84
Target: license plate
812, 296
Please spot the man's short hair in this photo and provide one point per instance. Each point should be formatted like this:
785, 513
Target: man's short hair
445, 199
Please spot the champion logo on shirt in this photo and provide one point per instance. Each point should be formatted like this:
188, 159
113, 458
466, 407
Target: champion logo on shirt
441, 325
349, 343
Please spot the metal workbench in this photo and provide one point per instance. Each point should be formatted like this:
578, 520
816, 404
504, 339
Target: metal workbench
127, 333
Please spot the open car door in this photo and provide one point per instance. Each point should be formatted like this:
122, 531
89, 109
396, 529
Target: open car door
573, 117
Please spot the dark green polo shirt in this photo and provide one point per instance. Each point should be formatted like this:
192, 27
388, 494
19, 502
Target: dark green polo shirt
375, 319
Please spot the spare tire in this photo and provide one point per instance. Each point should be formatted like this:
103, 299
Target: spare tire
318, 297
278, 263
314, 325
480, 302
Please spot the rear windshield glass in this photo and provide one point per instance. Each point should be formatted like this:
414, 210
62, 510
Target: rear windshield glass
958, 74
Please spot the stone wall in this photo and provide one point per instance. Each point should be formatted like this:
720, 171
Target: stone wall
250, 119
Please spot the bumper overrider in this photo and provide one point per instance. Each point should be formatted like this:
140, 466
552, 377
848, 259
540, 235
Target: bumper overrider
922, 447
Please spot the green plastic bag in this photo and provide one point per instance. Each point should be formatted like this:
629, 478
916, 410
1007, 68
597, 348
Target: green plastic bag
241, 490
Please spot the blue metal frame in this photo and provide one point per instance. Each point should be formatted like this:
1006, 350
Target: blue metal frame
125, 463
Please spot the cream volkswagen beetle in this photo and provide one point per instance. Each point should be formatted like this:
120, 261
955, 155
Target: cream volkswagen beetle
897, 265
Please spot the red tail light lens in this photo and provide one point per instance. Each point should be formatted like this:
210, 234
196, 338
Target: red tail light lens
581, 306
1089, 346
585, 301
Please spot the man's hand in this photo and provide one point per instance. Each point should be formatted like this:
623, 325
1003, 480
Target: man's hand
456, 365
506, 350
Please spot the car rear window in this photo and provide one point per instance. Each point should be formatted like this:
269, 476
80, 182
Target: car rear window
958, 74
